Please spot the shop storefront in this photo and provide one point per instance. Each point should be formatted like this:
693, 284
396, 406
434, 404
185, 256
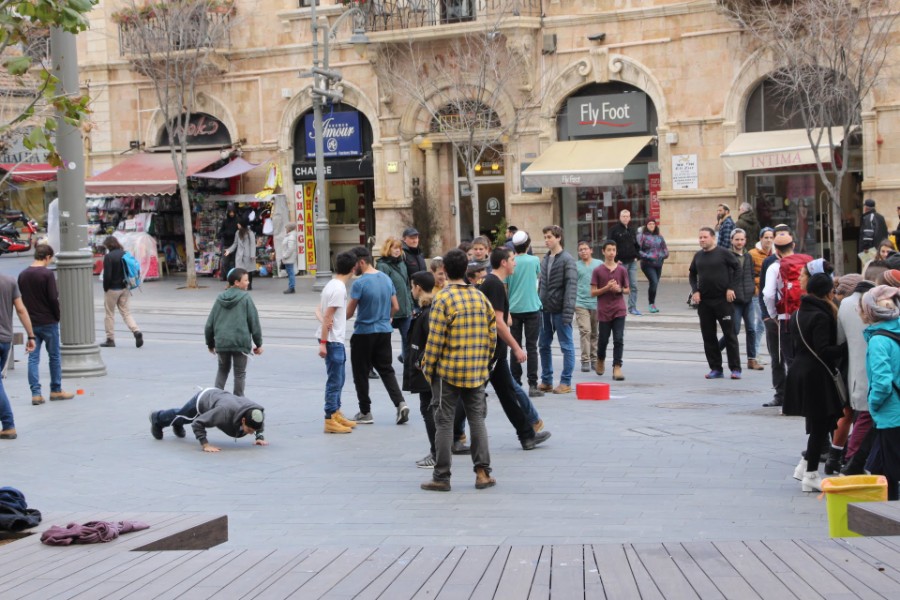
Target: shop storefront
349, 182
606, 161
779, 178
28, 183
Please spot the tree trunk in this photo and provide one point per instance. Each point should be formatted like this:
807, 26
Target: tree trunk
191, 279
473, 187
837, 224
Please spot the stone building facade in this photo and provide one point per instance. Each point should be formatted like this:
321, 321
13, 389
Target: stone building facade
689, 69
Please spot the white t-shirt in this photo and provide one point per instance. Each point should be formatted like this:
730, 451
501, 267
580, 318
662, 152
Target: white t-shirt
334, 294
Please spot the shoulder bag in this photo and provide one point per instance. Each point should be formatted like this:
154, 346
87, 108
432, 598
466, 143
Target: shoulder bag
839, 386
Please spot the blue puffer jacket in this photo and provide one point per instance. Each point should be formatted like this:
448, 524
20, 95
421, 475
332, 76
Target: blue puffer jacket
883, 369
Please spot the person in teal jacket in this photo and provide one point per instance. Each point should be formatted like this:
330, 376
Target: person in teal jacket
233, 330
393, 265
880, 308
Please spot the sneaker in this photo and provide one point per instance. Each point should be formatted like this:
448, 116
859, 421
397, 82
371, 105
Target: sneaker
364, 419
138, 339
545, 387
735, 374
426, 463
402, 413
534, 392
155, 430
714, 374
178, 429
812, 482
61, 395
653, 308
562, 389
109, 343
585, 367
774, 402
539, 438
436, 486
288, 291
539, 426
35, 400
373, 374
459, 447
634, 311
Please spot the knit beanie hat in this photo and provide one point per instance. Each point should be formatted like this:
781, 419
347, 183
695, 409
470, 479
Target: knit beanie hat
881, 303
819, 285
892, 278
847, 283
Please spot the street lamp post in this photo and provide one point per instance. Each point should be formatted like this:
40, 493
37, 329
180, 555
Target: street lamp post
322, 80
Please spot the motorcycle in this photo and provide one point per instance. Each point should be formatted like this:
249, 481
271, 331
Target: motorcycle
11, 240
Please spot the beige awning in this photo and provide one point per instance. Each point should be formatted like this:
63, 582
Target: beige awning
584, 163
775, 149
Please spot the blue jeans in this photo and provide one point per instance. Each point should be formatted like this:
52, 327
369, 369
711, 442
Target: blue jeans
49, 335
292, 280
553, 323
743, 312
187, 413
632, 284
758, 326
653, 273
335, 361
6, 413
402, 324
526, 404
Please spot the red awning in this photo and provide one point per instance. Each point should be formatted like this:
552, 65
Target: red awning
25, 172
147, 175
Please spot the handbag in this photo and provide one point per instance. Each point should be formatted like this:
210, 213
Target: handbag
839, 386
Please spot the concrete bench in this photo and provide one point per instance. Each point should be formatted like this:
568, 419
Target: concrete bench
168, 531
874, 518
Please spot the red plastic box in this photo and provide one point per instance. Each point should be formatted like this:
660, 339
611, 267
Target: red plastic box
592, 391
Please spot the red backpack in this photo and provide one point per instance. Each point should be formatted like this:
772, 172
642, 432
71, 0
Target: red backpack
789, 295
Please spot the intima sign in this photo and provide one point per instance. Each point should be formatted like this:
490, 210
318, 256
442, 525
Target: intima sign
611, 114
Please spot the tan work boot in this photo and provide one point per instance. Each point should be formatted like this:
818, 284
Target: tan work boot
617, 374
8, 434
562, 389
332, 426
600, 366
60, 395
35, 400
483, 480
340, 418
754, 365
545, 387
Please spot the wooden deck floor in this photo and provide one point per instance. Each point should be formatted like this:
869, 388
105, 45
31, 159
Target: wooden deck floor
849, 568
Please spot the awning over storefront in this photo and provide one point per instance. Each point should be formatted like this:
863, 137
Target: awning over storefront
776, 149
584, 163
238, 166
147, 175
25, 172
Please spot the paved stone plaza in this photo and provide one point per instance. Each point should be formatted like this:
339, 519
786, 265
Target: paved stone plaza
672, 457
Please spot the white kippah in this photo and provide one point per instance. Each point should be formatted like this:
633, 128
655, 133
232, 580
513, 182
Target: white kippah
519, 237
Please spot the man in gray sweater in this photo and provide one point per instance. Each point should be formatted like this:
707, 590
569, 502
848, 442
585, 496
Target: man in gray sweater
236, 416
558, 291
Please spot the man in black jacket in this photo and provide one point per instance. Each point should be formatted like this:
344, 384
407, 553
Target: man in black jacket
743, 297
713, 277
872, 228
558, 291
627, 249
412, 254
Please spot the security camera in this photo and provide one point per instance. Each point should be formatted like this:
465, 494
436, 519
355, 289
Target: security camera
597, 37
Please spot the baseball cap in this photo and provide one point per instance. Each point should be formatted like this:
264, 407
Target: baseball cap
410, 232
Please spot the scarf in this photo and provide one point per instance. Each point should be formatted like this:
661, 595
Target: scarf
880, 304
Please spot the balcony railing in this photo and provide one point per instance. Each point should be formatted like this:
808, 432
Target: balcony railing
152, 36
389, 15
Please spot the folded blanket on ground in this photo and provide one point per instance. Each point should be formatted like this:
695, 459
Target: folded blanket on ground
92, 532
14, 512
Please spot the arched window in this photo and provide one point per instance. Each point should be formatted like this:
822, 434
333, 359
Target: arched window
465, 115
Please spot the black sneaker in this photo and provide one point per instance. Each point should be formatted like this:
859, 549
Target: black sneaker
155, 429
373, 374
539, 438
178, 429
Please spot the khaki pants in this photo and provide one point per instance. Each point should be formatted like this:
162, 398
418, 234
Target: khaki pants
586, 319
111, 300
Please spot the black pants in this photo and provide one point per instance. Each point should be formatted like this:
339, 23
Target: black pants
714, 314
530, 323
778, 341
818, 434
617, 328
367, 351
502, 382
885, 459
227, 264
459, 419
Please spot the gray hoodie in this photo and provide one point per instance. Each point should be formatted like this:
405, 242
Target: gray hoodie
218, 408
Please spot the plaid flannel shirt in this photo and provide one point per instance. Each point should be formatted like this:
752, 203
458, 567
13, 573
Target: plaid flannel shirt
462, 336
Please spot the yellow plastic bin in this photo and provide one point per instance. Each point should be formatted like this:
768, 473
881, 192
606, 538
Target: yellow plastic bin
840, 491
